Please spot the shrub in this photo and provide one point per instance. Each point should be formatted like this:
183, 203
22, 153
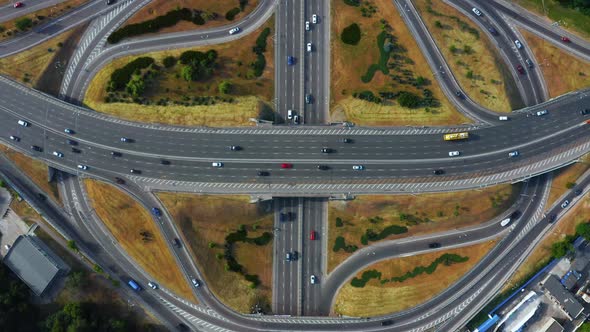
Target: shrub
136, 86
266, 113
570, 185
169, 61
351, 34
225, 87
167, 20
23, 23
72, 245
258, 65
198, 20
469, 74
561, 248
339, 222
365, 277
261, 41
243, 4
339, 243
354, 3
438, 24
121, 76
408, 99
231, 14
253, 278
583, 230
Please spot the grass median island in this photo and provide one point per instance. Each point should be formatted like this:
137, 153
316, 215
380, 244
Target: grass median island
400, 283
475, 62
221, 85
135, 230
231, 240
369, 219
162, 16
562, 72
379, 75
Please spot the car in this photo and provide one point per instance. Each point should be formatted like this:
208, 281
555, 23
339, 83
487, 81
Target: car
182, 327
308, 47
552, 218
520, 69
17, 4
290, 60
125, 139
68, 131
515, 215
164, 162
156, 212
58, 154
176, 242
7, 246
306, 25
312, 235
308, 98
72, 142
263, 173
493, 31
459, 94
438, 171
513, 154
295, 255
529, 63
42, 197
282, 217
565, 39
434, 245
518, 44
83, 167
217, 164
36, 148
476, 11
346, 140
454, 153
153, 285
286, 165
313, 279
233, 31
503, 118
541, 113
323, 167
195, 282
288, 257
326, 150
314, 19
110, 2
134, 171
235, 148
116, 154
296, 119
290, 114
23, 123
358, 167
565, 204
15, 138
119, 180
578, 191
585, 111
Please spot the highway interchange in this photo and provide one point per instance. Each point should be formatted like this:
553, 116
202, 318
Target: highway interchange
390, 155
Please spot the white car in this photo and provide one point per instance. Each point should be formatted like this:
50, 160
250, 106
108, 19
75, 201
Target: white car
14, 138
314, 19
512, 154
217, 164
565, 204
58, 154
358, 167
454, 153
290, 114
195, 282
153, 285
541, 113
23, 123
306, 25
503, 118
68, 131
313, 279
518, 44
476, 11
83, 167
309, 47
234, 30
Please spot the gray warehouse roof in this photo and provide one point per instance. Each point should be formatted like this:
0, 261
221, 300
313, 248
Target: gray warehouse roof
566, 299
34, 263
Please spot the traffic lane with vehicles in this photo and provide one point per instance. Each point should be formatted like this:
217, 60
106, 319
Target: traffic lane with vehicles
11, 10
287, 273
313, 237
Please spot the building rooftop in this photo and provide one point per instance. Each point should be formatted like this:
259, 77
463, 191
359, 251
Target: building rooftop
566, 299
34, 263
552, 326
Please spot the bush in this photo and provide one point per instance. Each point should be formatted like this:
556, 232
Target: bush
198, 20
354, 3
243, 4
561, 248
258, 65
23, 23
225, 87
570, 185
365, 277
266, 113
253, 278
72, 245
408, 99
583, 230
351, 35
339, 222
121, 76
167, 20
368, 96
169, 61
231, 14
261, 41
136, 86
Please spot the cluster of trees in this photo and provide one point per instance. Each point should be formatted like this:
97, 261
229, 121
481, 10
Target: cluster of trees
340, 243
122, 76
351, 35
197, 65
581, 5
566, 246
231, 14
16, 312
259, 64
371, 235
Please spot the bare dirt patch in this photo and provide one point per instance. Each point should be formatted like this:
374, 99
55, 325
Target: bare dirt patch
205, 221
562, 72
421, 214
351, 62
383, 298
134, 229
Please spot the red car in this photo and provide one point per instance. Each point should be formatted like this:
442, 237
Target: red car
286, 165
520, 69
18, 4
565, 39
312, 235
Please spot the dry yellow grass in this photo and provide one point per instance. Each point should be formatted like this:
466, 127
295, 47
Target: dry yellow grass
40, 16
437, 212
379, 299
565, 175
541, 255
25, 212
28, 66
249, 94
562, 72
219, 7
488, 86
36, 170
126, 219
204, 219
350, 62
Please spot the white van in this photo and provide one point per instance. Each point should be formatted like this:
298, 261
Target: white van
23, 123
505, 222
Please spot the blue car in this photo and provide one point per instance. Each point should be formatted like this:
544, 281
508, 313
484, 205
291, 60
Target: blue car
290, 60
156, 212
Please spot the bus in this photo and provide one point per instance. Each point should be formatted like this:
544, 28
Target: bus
134, 285
456, 136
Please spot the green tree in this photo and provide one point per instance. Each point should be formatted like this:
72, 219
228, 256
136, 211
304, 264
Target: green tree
583, 230
23, 23
136, 86
77, 279
169, 61
469, 74
467, 49
225, 87
584, 327
351, 34
72, 245
561, 248
453, 49
570, 185
188, 73
408, 99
